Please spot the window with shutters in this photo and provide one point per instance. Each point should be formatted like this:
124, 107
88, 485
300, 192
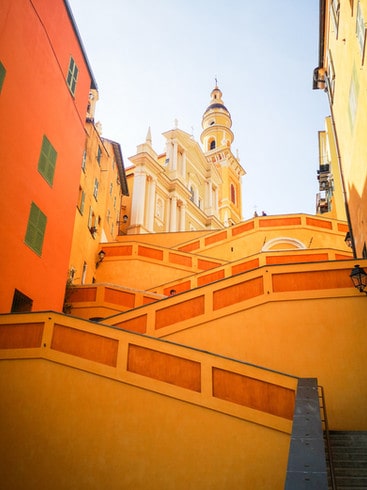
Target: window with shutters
2, 75
72, 75
81, 200
36, 229
84, 160
95, 189
99, 155
360, 30
47, 161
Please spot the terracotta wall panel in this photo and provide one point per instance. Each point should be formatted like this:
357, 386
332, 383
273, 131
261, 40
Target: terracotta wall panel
138, 324
343, 227
84, 344
164, 367
123, 250
303, 281
207, 264
296, 258
179, 288
245, 266
151, 253
237, 293
266, 222
80, 295
179, 312
216, 238
237, 230
208, 278
190, 246
253, 393
21, 336
180, 259
319, 223
119, 297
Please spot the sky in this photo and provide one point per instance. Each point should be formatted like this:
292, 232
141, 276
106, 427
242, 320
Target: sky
157, 61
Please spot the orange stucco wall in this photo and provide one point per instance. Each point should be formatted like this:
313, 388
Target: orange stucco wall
36, 44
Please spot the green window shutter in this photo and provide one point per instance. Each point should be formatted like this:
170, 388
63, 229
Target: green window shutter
2, 75
72, 76
36, 229
47, 161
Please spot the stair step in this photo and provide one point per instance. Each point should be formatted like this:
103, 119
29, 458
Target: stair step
349, 453
353, 472
350, 483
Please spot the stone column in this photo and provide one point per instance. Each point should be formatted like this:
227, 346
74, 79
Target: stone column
173, 215
138, 201
183, 216
174, 156
151, 203
183, 170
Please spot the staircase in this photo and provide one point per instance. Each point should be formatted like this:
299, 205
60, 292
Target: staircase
349, 453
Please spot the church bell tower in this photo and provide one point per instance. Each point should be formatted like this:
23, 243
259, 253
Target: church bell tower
217, 138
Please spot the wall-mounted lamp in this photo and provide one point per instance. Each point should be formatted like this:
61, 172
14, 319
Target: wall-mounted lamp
348, 240
101, 256
359, 279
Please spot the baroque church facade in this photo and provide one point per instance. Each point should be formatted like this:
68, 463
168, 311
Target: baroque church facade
188, 187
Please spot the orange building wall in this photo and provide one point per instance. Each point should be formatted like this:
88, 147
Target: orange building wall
36, 44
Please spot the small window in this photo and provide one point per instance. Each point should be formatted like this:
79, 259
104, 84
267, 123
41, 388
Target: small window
212, 145
84, 160
2, 75
99, 155
90, 218
335, 8
36, 229
72, 76
21, 302
95, 189
360, 30
233, 194
47, 161
330, 75
353, 97
81, 200
84, 272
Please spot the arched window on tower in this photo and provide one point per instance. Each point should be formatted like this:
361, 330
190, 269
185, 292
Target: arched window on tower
212, 145
233, 194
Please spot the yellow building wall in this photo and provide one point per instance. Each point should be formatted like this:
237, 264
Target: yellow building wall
105, 207
322, 338
306, 320
345, 66
88, 405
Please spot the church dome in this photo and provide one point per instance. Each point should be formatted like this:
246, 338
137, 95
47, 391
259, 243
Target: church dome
216, 105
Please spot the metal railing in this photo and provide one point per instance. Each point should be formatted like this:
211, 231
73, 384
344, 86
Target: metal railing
324, 421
